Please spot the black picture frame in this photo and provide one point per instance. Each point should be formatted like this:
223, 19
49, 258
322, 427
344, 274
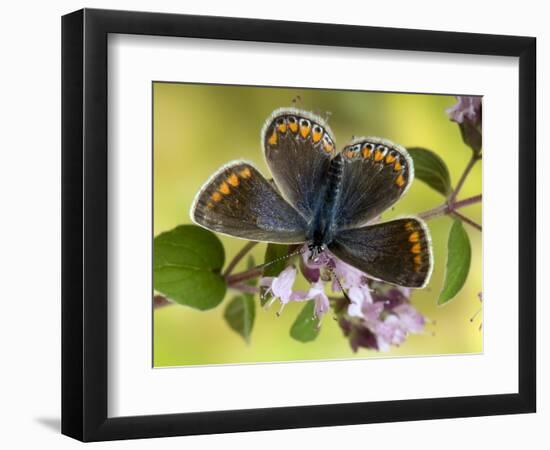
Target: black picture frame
84, 224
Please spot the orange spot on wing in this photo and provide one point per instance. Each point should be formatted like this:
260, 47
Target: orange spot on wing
224, 188
317, 136
390, 159
409, 226
328, 147
416, 248
304, 131
281, 127
397, 166
348, 154
366, 152
293, 126
418, 260
273, 139
414, 237
216, 196
378, 155
233, 180
400, 181
245, 173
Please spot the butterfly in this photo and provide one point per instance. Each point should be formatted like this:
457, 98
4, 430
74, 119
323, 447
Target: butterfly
326, 198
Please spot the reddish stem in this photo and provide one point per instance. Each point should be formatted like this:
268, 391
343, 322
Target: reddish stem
160, 301
240, 255
475, 158
467, 220
449, 208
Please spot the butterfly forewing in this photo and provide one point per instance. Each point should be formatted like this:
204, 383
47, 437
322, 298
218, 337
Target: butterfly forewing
397, 252
240, 202
298, 147
376, 174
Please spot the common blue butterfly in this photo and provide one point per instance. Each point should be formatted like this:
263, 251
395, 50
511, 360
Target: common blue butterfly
322, 197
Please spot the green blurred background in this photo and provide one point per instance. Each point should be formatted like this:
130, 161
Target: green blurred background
198, 128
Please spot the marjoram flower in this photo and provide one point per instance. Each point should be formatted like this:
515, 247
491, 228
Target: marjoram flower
467, 114
372, 314
385, 319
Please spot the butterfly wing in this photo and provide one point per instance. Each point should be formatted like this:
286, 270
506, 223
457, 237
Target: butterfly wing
376, 174
298, 147
238, 201
397, 252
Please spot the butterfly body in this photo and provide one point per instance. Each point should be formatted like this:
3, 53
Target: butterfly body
323, 198
323, 226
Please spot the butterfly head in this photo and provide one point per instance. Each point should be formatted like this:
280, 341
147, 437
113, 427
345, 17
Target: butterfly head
315, 251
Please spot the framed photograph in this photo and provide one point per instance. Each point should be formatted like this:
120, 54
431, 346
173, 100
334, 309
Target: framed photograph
274, 225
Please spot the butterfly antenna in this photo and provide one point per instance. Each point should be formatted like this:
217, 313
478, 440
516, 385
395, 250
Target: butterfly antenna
344, 293
297, 100
280, 258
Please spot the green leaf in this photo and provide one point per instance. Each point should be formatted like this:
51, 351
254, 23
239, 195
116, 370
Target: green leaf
241, 310
240, 314
272, 253
431, 169
306, 326
459, 255
187, 263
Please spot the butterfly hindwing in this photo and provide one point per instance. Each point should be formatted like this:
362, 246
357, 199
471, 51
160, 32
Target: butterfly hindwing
238, 201
298, 147
397, 252
376, 174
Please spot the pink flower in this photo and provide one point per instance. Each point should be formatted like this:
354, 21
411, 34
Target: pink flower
280, 287
317, 293
410, 319
360, 296
467, 108
467, 114
385, 318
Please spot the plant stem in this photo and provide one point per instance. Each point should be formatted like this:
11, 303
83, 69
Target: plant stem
448, 208
233, 280
475, 158
467, 220
160, 301
237, 258
245, 288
